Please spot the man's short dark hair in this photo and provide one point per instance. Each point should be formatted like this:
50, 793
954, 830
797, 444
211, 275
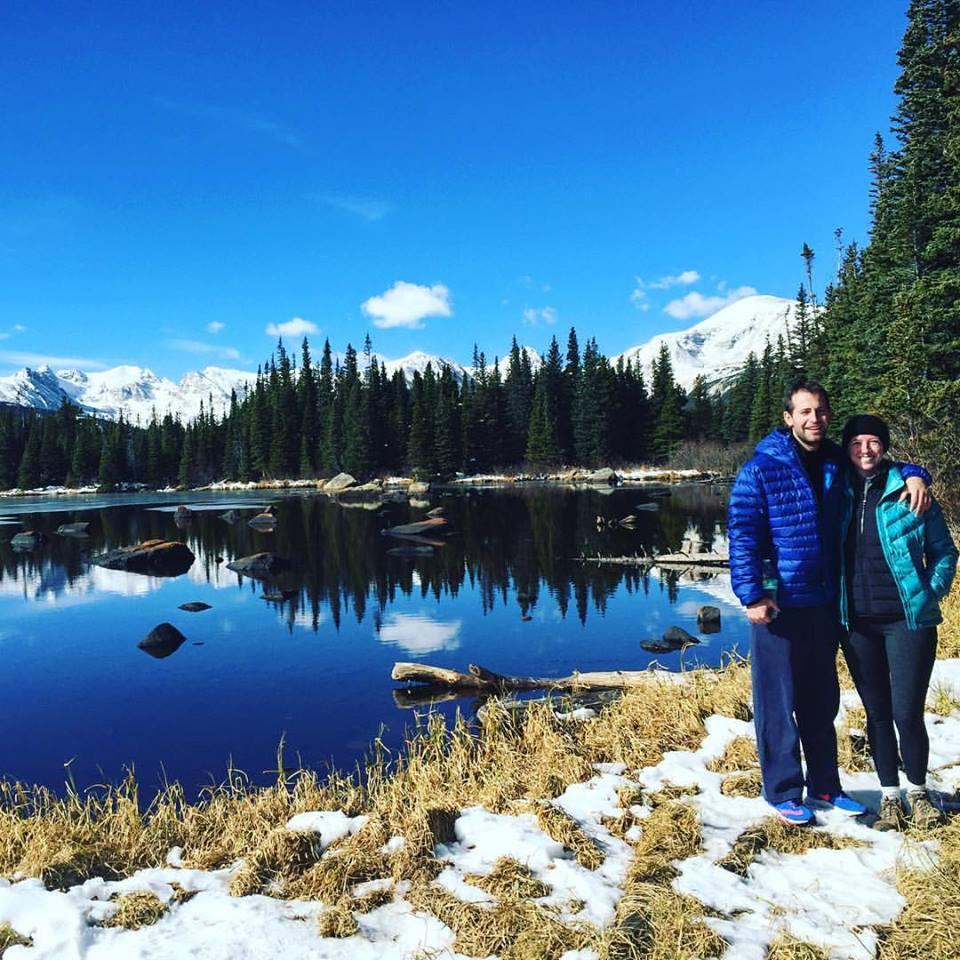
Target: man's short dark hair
810, 386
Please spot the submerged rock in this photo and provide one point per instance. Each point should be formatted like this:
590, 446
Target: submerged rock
674, 638
231, 516
433, 525
195, 606
436, 512
76, 529
259, 565
161, 558
162, 640
28, 540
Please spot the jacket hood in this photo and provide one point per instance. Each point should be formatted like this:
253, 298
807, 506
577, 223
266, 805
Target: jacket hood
779, 446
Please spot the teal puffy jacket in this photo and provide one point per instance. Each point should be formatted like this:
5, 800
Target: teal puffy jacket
919, 551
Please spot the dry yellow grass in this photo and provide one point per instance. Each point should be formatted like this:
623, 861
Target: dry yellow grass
748, 784
136, 910
10, 938
338, 920
774, 834
509, 880
740, 754
786, 947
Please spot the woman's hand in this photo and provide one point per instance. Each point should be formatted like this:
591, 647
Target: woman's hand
918, 494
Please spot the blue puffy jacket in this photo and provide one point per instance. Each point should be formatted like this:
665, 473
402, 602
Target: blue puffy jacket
773, 514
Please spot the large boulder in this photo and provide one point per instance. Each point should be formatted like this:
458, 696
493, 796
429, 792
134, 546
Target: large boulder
339, 483
603, 475
372, 488
259, 565
419, 488
162, 640
160, 558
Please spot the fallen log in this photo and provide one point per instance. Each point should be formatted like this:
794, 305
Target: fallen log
712, 561
479, 679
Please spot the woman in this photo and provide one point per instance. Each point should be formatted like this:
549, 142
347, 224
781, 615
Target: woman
896, 568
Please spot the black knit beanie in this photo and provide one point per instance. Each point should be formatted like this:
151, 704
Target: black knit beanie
866, 423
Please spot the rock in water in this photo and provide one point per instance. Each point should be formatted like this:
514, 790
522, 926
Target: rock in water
77, 529
194, 606
603, 475
435, 524
418, 488
264, 522
259, 565
678, 637
436, 512
231, 516
709, 617
341, 481
161, 558
28, 540
162, 640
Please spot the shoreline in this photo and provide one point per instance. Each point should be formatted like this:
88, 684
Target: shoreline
575, 477
633, 831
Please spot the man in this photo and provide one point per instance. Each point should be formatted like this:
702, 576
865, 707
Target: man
785, 514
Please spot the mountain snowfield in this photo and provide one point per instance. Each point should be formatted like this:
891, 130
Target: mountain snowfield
718, 346
715, 348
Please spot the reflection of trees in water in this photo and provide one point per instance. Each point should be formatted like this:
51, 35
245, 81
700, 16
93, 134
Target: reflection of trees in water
511, 546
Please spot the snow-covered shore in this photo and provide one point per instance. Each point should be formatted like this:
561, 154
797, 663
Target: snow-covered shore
837, 894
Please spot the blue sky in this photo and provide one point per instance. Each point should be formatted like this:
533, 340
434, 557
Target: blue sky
182, 181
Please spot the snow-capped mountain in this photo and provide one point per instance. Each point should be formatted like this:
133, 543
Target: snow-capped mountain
715, 348
718, 346
133, 391
417, 361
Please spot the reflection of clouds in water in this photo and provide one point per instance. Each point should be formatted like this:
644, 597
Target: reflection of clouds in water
717, 588
304, 618
52, 587
419, 633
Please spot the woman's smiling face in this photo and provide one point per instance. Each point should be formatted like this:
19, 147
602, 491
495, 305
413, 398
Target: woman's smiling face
866, 452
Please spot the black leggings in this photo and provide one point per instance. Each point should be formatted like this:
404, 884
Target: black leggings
891, 666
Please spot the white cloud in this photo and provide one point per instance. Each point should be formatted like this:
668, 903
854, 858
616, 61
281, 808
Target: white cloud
639, 297
294, 327
366, 208
196, 346
43, 359
18, 328
534, 315
697, 305
679, 280
215, 326
407, 304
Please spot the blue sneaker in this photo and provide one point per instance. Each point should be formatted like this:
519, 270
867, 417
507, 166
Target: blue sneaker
843, 803
793, 812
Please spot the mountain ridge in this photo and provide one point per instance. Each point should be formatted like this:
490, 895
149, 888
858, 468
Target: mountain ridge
715, 348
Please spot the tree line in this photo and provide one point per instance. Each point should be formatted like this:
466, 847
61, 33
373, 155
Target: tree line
303, 419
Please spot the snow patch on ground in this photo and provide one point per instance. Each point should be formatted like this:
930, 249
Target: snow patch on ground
833, 898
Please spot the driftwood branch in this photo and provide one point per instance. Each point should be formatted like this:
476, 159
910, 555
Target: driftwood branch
481, 680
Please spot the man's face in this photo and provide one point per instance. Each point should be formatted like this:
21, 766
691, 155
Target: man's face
809, 418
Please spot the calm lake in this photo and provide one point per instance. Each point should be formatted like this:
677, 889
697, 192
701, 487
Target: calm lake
80, 699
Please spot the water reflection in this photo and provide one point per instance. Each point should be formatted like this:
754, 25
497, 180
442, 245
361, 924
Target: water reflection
306, 655
420, 634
